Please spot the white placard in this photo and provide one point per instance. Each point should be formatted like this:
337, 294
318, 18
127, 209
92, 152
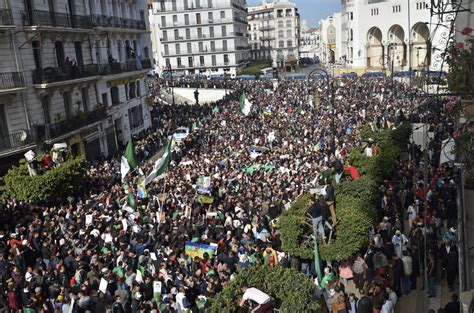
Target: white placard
103, 285
124, 224
156, 287
153, 256
139, 277
30, 155
88, 219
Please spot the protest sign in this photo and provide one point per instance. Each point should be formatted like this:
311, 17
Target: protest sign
103, 285
204, 184
197, 249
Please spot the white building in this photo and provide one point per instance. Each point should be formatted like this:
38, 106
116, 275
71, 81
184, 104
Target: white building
74, 72
377, 32
206, 36
309, 41
274, 32
331, 38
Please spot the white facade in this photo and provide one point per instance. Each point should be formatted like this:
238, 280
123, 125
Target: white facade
274, 32
309, 41
377, 32
74, 72
201, 36
331, 38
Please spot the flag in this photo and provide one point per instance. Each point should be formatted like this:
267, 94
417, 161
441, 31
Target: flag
124, 168
130, 155
161, 164
203, 199
215, 109
245, 104
131, 200
194, 249
142, 193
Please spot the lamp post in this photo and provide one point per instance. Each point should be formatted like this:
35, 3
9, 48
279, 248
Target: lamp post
170, 71
226, 72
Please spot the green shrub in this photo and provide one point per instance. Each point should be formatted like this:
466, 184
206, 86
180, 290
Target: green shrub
62, 181
292, 290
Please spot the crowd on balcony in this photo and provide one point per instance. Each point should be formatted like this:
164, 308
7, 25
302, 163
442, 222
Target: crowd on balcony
59, 255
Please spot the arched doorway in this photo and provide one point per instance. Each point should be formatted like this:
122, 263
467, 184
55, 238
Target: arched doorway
397, 50
421, 46
375, 48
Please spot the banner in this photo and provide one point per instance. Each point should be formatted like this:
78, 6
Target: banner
205, 199
197, 249
258, 149
204, 184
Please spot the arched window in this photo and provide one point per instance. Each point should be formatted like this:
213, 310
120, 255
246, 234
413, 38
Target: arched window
288, 23
281, 44
289, 43
288, 34
280, 24
281, 34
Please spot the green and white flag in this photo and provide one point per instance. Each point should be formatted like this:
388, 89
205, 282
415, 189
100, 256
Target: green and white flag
161, 165
245, 104
128, 161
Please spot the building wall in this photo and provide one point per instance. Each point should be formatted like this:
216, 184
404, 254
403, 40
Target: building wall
197, 33
331, 38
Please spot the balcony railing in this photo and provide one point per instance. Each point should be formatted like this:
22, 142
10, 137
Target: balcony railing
54, 19
16, 140
50, 131
117, 22
64, 73
11, 80
6, 17
124, 67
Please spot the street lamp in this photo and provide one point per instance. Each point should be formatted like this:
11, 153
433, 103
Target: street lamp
170, 71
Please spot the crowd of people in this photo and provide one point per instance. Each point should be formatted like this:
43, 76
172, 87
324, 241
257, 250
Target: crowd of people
101, 252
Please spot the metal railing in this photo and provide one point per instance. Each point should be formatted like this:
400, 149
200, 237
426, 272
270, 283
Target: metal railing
11, 80
55, 19
16, 140
123, 67
6, 17
73, 123
64, 73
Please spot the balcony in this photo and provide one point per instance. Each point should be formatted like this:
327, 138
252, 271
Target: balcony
54, 19
16, 140
12, 80
124, 67
69, 125
6, 17
50, 75
264, 28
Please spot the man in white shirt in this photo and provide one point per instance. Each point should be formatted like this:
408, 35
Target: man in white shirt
263, 301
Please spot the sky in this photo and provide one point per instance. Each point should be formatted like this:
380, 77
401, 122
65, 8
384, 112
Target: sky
311, 10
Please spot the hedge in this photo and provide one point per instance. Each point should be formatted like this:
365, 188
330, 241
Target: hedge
292, 290
67, 179
355, 201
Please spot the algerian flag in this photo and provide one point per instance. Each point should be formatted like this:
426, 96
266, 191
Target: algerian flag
245, 104
161, 164
128, 161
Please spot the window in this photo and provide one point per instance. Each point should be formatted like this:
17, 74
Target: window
186, 4
173, 5
131, 90
198, 4
178, 61
167, 49
222, 14
139, 92
177, 49
289, 43
46, 103
114, 93
351, 36
209, 17
209, 3
167, 62
281, 44
165, 35
224, 31
175, 20
146, 53
396, 8
199, 32
68, 109
85, 99
213, 46
213, 60
374, 12
201, 60
280, 24
226, 59
281, 34
119, 50
190, 61
288, 23
211, 32
135, 117
188, 45
186, 19
201, 47
188, 33
176, 34
105, 100
37, 54
198, 18
288, 33
224, 45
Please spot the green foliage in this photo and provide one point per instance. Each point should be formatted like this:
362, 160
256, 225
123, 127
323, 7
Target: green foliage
292, 290
61, 181
294, 225
255, 67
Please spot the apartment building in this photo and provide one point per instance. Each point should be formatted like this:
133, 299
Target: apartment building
309, 41
75, 72
201, 36
274, 32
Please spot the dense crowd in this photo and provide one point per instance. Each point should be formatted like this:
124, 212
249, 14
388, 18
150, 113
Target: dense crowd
55, 257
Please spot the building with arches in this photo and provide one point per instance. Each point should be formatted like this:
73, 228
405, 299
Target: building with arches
330, 30
377, 34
